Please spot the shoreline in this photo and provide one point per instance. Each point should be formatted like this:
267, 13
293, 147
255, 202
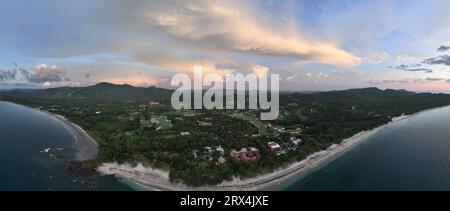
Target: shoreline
86, 146
159, 180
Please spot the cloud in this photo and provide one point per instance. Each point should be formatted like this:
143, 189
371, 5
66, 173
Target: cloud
259, 70
224, 25
309, 75
173, 63
439, 60
132, 80
443, 48
6, 75
42, 74
46, 73
428, 80
291, 78
414, 68
435, 79
408, 59
419, 80
317, 75
380, 82
407, 81
377, 58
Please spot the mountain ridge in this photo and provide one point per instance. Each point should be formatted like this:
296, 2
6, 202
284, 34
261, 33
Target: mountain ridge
108, 92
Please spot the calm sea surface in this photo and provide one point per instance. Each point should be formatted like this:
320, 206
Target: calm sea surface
413, 154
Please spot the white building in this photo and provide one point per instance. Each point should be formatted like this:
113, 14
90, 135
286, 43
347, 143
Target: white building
273, 146
295, 141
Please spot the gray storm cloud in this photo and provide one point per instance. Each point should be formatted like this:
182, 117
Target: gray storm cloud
443, 48
442, 60
414, 68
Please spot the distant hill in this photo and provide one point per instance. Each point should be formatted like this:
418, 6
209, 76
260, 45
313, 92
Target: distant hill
366, 95
102, 92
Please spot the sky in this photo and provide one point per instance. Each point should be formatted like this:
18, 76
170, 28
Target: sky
312, 44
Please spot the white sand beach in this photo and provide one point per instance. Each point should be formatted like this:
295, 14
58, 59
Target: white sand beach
87, 148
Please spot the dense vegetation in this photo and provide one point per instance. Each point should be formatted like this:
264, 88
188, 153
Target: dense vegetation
138, 125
